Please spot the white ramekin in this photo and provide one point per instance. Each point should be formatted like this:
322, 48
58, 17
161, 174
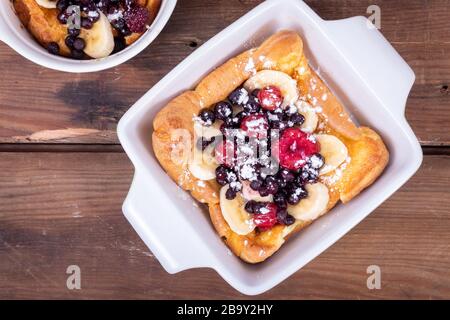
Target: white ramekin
362, 69
18, 38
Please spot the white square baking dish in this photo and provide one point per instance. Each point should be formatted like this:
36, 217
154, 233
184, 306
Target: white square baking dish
362, 69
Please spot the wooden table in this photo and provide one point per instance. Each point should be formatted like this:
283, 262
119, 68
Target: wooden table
63, 175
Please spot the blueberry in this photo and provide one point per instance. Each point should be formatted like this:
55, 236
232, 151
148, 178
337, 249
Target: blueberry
223, 111
280, 200
62, 5
53, 48
93, 14
287, 175
264, 191
119, 44
282, 215
86, 23
77, 54
235, 122
289, 220
239, 97
230, 194
276, 121
257, 206
297, 194
309, 174
231, 176
252, 106
293, 199
297, 119
316, 161
75, 32
271, 184
118, 23
221, 175
281, 182
79, 44
256, 184
207, 116
62, 17
69, 41
250, 206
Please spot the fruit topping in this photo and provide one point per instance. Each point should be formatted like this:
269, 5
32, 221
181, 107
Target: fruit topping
234, 213
280, 200
136, 19
294, 148
333, 150
297, 119
223, 111
270, 98
255, 125
283, 82
284, 218
265, 217
239, 97
267, 162
252, 105
316, 161
313, 205
222, 175
297, 193
207, 117
53, 48
256, 184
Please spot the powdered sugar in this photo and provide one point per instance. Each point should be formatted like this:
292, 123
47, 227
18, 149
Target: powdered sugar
250, 66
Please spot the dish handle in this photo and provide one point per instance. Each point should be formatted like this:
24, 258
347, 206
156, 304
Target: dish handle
374, 58
169, 235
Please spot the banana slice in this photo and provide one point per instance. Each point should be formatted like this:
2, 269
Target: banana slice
207, 132
203, 164
99, 39
285, 83
314, 205
333, 150
311, 118
251, 194
49, 4
233, 211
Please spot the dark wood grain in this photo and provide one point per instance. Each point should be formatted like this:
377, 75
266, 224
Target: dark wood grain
39, 105
59, 209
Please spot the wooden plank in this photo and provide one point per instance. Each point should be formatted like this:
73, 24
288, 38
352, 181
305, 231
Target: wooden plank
59, 209
39, 105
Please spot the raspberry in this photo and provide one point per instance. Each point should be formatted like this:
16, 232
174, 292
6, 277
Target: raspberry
266, 217
255, 125
136, 19
270, 98
295, 147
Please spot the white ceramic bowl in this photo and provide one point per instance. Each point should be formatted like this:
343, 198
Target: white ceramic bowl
17, 37
362, 69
